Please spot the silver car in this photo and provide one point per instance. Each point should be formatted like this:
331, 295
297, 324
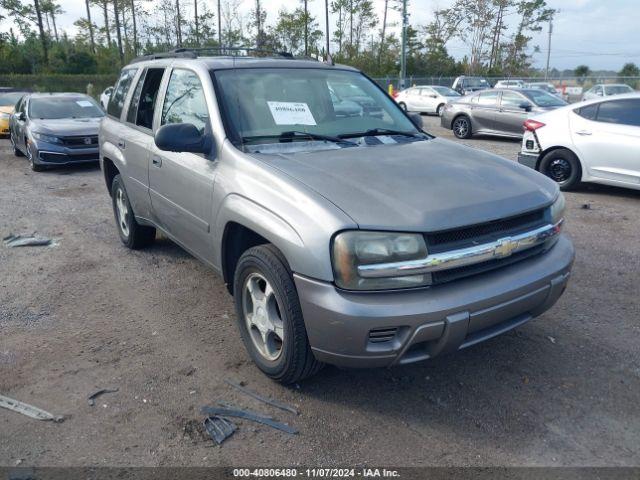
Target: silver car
602, 90
356, 241
499, 112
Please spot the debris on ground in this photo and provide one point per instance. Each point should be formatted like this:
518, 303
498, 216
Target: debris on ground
28, 410
586, 206
248, 415
218, 428
268, 401
13, 241
91, 399
552, 340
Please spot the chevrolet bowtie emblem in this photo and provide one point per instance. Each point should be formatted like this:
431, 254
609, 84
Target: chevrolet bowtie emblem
505, 247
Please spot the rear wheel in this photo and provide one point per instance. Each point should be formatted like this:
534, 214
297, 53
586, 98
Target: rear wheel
440, 109
462, 127
403, 106
563, 167
132, 234
270, 317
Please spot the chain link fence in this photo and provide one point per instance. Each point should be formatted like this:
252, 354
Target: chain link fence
93, 85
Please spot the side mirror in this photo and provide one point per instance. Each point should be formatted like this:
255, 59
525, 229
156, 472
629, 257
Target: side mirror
182, 137
416, 119
526, 106
21, 116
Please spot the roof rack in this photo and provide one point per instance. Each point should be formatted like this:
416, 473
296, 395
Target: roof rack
211, 51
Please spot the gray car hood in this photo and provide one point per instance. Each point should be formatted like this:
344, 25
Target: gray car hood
67, 126
420, 186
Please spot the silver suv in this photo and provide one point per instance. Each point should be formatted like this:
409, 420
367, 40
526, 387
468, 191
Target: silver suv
358, 241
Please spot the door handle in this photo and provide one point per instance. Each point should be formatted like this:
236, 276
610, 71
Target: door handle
583, 132
156, 161
121, 144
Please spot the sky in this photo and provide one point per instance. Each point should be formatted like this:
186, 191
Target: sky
602, 34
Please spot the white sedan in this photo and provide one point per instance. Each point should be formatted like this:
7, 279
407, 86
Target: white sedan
426, 98
595, 141
598, 91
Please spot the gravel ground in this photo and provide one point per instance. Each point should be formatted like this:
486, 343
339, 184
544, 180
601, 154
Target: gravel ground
159, 326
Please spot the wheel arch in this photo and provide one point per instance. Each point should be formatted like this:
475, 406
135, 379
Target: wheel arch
110, 171
544, 153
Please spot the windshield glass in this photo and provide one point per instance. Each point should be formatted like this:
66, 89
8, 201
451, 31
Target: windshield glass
617, 89
446, 91
544, 99
64, 107
270, 102
10, 99
476, 82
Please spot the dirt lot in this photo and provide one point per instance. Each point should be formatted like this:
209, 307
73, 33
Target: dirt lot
156, 324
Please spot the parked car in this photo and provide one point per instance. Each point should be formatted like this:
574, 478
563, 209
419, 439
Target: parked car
426, 98
354, 94
344, 108
359, 242
54, 129
499, 112
8, 100
597, 141
466, 85
509, 84
598, 91
547, 87
104, 97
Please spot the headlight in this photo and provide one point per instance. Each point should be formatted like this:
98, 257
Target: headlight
45, 138
355, 248
557, 209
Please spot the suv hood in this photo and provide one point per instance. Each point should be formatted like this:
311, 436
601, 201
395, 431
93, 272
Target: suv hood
418, 186
67, 126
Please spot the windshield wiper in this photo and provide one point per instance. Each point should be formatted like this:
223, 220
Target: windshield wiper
288, 136
372, 132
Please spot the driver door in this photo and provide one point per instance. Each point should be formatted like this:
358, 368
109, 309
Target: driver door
181, 183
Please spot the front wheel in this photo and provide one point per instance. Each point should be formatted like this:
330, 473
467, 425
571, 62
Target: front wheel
462, 127
439, 110
270, 317
32, 154
132, 234
403, 106
563, 167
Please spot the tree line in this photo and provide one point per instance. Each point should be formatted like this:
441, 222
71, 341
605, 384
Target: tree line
496, 34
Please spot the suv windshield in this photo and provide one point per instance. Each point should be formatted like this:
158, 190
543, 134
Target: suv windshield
267, 104
544, 99
475, 82
50, 108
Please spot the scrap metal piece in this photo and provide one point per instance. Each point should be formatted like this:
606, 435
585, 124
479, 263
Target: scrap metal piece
28, 410
13, 241
91, 399
249, 415
268, 401
218, 428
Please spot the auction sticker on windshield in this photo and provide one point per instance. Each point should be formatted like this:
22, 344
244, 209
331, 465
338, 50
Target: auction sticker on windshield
291, 113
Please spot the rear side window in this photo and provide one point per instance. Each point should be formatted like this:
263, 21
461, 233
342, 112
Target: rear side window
488, 99
144, 98
116, 102
623, 112
589, 112
512, 100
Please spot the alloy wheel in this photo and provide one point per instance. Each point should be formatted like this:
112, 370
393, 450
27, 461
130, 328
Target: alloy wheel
122, 211
461, 127
262, 316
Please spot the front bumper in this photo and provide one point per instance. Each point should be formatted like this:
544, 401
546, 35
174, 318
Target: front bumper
528, 160
387, 328
54, 155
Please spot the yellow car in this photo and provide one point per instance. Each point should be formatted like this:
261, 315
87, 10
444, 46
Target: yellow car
8, 102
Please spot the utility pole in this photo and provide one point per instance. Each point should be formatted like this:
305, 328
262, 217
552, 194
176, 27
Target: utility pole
219, 25
326, 26
546, 75
403, 54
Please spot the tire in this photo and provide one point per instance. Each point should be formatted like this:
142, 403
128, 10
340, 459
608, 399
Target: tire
403, 106
132, 234
270, 317
30, 156
16, 151
440, 109
563, 167
461, 127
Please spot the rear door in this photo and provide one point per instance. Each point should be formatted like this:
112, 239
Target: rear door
607, 137
181, 183
510, 116
484, 112
137, 138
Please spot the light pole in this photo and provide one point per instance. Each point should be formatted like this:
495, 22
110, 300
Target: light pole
403, 53
546, 74
326, 25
